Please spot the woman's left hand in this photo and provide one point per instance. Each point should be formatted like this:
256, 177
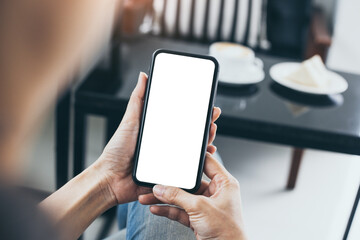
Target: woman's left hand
116, 162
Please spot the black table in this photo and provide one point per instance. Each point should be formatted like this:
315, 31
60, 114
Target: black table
260, 112
266, 111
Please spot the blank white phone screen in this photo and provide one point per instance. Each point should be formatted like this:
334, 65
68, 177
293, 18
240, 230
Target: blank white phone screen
175, 120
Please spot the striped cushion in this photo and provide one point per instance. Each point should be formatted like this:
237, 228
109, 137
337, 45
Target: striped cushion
211, 20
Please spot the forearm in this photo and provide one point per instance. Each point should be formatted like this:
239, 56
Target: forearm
74, 206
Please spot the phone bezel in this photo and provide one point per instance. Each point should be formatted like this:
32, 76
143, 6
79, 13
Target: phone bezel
208, 118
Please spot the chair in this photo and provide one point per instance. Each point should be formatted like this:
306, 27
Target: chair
292, 28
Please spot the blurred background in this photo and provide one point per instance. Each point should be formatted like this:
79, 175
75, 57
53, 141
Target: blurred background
295, 153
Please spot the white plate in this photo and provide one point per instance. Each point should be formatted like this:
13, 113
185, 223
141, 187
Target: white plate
278, 72
251, 75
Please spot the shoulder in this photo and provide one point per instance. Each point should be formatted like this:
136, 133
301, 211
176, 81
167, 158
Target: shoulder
20, 218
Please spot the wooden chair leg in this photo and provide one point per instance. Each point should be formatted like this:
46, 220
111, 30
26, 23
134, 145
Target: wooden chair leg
295, 166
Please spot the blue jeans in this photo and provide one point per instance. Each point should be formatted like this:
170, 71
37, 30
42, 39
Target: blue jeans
141, 224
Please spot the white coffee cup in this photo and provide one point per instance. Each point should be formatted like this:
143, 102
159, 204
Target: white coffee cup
237, 62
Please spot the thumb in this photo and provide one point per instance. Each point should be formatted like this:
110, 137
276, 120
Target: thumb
174, 196
134, 108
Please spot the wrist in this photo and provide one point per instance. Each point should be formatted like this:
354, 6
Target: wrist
98, 173
238, 234
233, 231
79, 202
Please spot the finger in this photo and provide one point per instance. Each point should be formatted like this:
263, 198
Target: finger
211, 149
148, 199
204, 185
212, 134
174, 196
213, 167
139, 90
143, 190
172, 213
216, 114
134, 108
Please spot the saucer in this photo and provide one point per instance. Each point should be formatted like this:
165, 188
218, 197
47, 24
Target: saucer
253, 75
279, 72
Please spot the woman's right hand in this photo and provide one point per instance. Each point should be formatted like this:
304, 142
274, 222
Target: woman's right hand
213, 213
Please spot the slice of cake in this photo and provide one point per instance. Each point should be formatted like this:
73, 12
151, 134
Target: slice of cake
311, 72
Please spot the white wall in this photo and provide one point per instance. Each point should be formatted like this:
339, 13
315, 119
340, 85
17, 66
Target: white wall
344, 53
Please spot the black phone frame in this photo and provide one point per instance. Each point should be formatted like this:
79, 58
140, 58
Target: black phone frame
208, 118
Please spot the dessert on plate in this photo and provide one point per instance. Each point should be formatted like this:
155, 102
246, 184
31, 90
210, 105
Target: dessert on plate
312, 73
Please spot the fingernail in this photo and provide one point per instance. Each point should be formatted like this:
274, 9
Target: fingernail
158, 190
142, 73
219, 109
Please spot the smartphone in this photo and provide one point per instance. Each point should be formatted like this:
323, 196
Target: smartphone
176, 118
